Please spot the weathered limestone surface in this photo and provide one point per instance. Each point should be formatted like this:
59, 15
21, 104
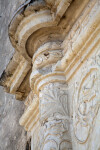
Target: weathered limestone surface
86, 104
12, 136
57, 75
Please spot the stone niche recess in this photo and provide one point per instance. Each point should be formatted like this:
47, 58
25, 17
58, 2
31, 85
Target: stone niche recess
55, 70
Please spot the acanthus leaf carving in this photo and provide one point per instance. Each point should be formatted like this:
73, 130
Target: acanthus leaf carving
55, 117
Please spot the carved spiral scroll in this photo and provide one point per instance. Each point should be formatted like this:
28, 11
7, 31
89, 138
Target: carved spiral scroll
86, 104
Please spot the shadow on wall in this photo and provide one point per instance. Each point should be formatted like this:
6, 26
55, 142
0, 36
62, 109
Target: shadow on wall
28, 145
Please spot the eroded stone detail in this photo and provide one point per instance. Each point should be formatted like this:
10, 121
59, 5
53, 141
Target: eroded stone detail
39, 34
47, 58
55, 121
87, 101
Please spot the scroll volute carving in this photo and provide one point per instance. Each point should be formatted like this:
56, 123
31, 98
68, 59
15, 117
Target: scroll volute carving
48, 54
47, 58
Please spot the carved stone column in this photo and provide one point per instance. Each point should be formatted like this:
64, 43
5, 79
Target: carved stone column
51, 88
38, 31
54, 117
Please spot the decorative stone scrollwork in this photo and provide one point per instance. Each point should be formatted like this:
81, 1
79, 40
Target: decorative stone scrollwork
55, 136
55, 117
52, 91
47, 57
87, 103
53, 41
48, 54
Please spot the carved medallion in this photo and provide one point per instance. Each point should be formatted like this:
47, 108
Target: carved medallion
86, 102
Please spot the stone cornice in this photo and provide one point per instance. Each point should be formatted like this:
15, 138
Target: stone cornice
75, 55
78, 45
13, 77
27, 26
58, 7
53, 39
31, 17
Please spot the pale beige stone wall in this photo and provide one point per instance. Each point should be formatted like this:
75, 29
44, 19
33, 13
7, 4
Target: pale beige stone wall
84, 85
57, 43
84, 95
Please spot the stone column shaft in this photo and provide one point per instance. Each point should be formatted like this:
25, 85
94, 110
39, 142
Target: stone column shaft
51, 88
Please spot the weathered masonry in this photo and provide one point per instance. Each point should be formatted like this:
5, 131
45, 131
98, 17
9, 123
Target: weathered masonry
55, 70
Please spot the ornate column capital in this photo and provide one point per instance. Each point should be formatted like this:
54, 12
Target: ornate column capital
53, 42
43, 62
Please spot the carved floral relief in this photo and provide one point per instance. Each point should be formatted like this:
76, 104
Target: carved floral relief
87, 101
55, 117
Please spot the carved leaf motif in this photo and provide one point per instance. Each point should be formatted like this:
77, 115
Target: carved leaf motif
54, 100
54, 111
